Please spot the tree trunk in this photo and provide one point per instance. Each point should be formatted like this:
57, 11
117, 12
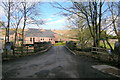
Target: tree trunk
104, 44
109, 45
24, 25
15, 37
99, 29
8, 26
117, 51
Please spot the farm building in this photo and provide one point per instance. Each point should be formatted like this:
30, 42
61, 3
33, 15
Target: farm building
37, 35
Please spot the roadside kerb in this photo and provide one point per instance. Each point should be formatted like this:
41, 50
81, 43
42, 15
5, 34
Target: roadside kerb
99, 68
44, 50
70, 50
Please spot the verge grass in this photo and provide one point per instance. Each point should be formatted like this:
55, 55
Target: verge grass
107, 46
59, 44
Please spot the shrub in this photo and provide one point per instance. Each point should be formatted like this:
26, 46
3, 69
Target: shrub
71, 45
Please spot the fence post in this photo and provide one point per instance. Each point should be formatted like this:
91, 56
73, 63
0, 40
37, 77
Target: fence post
27, 49
14, 51
21, 50
6, 52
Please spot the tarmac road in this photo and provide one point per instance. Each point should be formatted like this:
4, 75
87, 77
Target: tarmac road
58, 62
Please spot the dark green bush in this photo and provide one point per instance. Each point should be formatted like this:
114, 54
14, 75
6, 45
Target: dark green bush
86, 49
71, 45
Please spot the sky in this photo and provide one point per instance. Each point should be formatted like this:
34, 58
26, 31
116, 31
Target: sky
51, 15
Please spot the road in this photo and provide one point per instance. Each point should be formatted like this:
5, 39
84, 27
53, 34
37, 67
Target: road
58, 62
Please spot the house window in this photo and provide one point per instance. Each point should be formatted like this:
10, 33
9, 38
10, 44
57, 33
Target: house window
50, 39
33, 39
30, 39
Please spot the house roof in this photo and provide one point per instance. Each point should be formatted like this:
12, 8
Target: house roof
38, 33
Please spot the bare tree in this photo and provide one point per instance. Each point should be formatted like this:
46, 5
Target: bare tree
8, 26
114, 9
24, 13
92, 13
30, 11
21, 13
114, 17
16, 17
7, 6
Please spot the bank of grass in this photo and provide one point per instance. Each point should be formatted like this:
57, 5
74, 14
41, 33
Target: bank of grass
107, 46
59, 44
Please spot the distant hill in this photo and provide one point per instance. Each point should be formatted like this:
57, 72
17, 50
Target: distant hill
2, 30
66, 35
62, 34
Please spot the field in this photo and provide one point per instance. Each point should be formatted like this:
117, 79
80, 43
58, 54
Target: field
59, 44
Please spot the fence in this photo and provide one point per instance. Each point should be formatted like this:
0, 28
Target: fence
39, 46
23, 50
26, 50
99, 53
